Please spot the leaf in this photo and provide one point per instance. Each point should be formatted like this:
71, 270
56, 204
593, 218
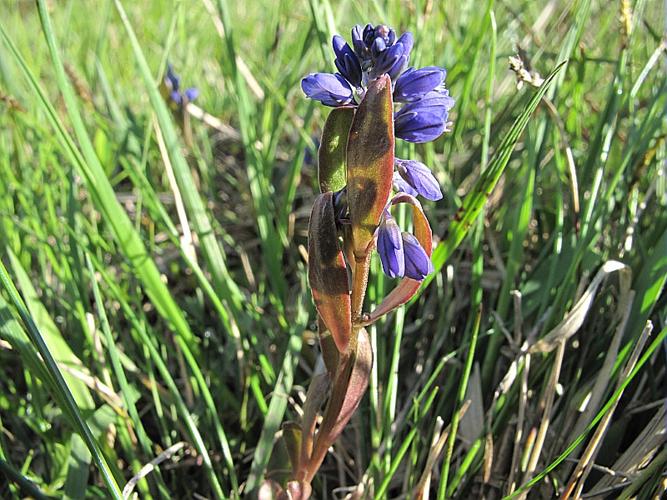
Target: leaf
407, 287
327, 274
370, 163
292, 438
59, 347
330, 353
332, 154
357, 384
348, 388
318, 390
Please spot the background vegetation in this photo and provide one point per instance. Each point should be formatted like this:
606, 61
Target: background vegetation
155, 264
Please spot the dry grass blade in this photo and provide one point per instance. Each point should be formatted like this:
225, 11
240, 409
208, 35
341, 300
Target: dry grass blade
578, 478
421, 491
243, 67
523, 401
186, 238
150, 467
546, 403
575, 318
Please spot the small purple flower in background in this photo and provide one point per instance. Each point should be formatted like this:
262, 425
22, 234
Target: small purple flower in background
400, 253
172, 83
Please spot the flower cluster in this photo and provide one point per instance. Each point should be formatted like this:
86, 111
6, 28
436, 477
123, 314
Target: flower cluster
172, 88
424, 101
421, 111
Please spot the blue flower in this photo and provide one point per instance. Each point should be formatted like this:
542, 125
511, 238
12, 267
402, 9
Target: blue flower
419, 178
346, 61
401, 185
330, 90
376, 50
418, 265
425, 119
413, 84
390, 247
401, 254
172, 84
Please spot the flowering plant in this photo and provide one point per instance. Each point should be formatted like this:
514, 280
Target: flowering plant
171, 88
376, 98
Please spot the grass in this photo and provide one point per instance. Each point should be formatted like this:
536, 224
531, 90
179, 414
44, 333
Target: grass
154, 306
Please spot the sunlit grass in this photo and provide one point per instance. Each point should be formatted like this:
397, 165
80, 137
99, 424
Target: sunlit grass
129, 337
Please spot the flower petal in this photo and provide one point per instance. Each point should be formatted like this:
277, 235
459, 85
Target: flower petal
425, 119
346, 61
176, 97
358, 40
406, 41
390, 247
378, 47
330, 90
420, 127
419, 177
402, 186
391, 61
417, 263
414, 84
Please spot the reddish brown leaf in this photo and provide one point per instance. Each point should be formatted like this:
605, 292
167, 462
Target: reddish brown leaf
327, 274
370, 162
330, 353
357, 384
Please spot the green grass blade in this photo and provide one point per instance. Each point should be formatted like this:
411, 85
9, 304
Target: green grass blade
191, 197
278, 404
474, 201
64, 393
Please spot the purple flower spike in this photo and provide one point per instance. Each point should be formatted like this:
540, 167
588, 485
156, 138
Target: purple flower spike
402, 186
390, 247
346, 61
330, 90
420, 178
423, 102
172, 84
424, 120
417, 264
414, 84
